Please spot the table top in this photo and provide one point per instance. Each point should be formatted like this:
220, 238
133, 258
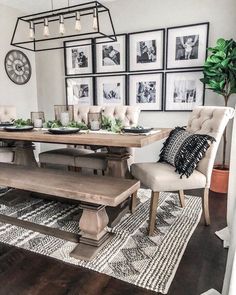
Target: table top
112, 140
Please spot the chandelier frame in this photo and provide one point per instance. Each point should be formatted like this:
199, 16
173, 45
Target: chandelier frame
69, 12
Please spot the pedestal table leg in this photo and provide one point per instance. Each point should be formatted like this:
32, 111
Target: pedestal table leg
24, 154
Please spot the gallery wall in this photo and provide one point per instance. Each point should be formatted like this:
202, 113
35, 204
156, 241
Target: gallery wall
24, 97
135, 15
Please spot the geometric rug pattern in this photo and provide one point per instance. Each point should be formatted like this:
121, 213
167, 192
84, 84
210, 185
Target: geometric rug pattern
131, 256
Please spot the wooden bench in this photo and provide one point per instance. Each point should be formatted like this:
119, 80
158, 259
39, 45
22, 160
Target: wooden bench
94, 193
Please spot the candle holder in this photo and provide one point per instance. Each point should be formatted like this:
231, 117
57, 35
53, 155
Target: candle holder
95, 121
37, 118
65, 119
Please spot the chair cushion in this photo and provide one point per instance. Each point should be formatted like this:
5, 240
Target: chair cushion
184, 150
96, 161
161, 177
65, 156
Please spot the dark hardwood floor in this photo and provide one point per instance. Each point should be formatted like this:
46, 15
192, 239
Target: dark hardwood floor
201, 268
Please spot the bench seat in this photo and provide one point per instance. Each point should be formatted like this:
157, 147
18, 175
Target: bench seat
95, 192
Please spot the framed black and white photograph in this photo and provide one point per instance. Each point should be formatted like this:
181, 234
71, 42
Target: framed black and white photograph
80, 90
187, 46
146, 91
78, 59
111, 90
183, 90
146, 50
111, 57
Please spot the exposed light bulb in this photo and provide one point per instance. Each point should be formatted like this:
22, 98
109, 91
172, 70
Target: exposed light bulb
46, 31
95, 20
62, 29
31, 30
77, 22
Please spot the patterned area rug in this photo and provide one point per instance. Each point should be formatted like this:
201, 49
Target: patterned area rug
131, 256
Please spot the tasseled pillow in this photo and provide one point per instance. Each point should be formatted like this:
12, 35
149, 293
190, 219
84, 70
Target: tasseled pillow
184, 150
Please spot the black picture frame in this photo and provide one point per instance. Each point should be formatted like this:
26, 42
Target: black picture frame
182, 72
66, 47
95, 57
92, 100
204, 53
162, 89
96, 101
162, 48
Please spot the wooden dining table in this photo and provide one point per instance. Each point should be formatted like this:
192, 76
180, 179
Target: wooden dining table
118, 146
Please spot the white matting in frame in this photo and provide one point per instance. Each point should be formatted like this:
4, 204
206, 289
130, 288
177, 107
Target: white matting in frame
80, 91
186, 46
184, 91
146, 50
79, 59
111, 57
145, 91
111, 90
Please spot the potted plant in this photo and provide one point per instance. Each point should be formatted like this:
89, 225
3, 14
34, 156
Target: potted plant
220, 76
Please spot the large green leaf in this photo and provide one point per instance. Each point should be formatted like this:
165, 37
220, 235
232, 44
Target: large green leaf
220, 54
225, 62
214, 59
222, 84
221, 44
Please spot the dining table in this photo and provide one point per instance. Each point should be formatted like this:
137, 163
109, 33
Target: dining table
118, 146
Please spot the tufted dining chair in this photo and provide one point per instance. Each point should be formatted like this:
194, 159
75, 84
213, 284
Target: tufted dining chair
161, 177
7, 114
90, 158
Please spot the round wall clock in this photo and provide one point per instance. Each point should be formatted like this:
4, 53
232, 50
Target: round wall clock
18, 67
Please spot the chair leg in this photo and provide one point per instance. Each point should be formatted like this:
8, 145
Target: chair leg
181, 198
95, 172
153, 212
205, 206
103, 173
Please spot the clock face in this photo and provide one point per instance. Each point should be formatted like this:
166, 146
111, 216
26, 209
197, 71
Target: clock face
18, 67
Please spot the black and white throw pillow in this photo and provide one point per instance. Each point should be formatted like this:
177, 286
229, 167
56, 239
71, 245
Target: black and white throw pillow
184, 150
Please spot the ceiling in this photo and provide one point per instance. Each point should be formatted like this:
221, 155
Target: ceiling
29, 6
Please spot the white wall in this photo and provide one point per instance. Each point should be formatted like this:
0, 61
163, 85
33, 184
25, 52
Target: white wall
136, 15
24, 97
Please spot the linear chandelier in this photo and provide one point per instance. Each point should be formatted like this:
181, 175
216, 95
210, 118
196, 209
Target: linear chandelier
49, 30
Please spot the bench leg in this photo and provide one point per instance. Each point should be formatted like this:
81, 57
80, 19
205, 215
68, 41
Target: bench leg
94, 236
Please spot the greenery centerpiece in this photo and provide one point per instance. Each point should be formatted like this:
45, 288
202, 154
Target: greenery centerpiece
109, 124
112, 124
72, 124
220, 75
19, 123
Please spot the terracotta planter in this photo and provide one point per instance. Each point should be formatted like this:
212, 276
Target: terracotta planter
219, 180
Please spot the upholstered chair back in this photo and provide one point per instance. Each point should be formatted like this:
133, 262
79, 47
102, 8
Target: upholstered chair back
209, 120
81, 112
129, 115
7, 113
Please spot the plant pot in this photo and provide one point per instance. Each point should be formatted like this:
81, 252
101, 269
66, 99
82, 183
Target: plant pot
219, 180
